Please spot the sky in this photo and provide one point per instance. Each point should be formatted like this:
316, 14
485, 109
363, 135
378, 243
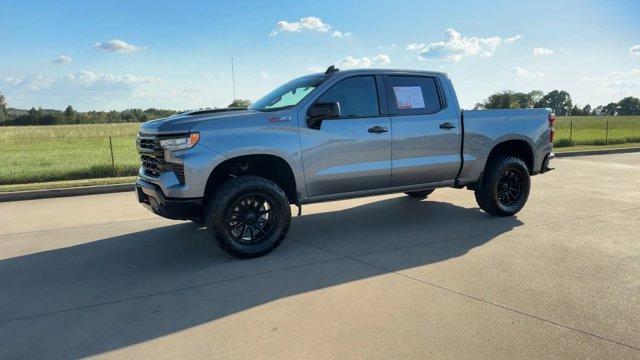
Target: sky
113, 55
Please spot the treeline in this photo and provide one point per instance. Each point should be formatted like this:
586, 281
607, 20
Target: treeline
558, 100
561, 103
13, 117
17, 117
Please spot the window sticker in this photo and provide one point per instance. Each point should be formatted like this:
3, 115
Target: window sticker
409, 97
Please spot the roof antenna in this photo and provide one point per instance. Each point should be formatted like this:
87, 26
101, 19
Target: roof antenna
331, 69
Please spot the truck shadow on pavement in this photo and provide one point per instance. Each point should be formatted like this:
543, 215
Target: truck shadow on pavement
112, 293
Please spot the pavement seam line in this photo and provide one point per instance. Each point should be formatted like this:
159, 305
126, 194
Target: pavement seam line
166, 292
388, 271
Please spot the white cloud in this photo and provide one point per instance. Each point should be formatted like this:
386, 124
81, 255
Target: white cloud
315, 69
540, 51
416, 46
619, 82
88, 78
263, 75
30, 83
455, 47
512, 39
214, 75
340, 34
117, 46
381, 59
526, 75
62, 59
634, 50
350, 62
309, 23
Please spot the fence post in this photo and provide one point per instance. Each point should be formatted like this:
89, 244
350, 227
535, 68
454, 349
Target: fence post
113, 162
570, 131
606, 134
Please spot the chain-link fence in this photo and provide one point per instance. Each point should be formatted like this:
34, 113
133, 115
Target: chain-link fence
39, 159
592, 130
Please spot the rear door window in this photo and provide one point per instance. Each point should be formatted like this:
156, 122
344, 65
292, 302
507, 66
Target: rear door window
413, 95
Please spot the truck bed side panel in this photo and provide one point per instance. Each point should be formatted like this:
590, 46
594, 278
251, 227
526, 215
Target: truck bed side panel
484, 129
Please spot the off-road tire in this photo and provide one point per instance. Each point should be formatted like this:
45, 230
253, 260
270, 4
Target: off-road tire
487, 195
227, 194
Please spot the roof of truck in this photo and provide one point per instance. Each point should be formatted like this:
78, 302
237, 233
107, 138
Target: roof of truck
391, 71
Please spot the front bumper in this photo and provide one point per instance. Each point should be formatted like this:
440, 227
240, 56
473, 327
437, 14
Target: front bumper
152, 197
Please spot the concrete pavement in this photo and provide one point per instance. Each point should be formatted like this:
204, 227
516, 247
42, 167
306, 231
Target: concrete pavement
379, 277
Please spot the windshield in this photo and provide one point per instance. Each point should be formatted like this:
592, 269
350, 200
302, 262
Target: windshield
289, 94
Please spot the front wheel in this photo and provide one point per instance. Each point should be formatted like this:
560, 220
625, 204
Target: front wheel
249, 216
505, 186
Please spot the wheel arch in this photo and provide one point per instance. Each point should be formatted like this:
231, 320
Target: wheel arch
269, 166
519, 148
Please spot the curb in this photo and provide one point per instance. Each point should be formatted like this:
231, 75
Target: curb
597, 152
64, 192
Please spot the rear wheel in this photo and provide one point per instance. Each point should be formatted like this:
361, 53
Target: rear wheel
505, 186
421, 194
249, 216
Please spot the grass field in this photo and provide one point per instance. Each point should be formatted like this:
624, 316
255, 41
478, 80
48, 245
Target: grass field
33, 154
592, 130
65, 152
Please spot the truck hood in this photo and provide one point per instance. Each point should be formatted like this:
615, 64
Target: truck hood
182, 123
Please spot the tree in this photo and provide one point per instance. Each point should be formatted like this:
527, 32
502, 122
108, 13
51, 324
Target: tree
611, 109
558, 100
240, 103
597, 111
4, 114
576, 111
586, 110
629, 106
69, 115
510, 100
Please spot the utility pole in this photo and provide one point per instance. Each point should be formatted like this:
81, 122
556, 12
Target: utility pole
233, 79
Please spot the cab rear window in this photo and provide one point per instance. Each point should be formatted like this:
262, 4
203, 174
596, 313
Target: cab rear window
413, 95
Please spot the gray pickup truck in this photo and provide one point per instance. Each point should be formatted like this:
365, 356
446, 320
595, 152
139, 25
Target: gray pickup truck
330, 136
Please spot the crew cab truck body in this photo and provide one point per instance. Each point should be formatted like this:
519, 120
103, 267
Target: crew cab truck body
331, 136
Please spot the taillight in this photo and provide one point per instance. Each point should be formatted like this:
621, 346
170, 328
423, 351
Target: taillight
552, 119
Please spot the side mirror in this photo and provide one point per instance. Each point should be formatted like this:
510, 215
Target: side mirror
321, 111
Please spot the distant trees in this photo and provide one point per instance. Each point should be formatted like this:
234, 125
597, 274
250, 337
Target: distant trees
510, 100
4, 115
629, 106
69, 115
41, 116
561, 103
558, 100
243, 103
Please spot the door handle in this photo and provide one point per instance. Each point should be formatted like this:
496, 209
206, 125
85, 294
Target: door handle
378, 129
447, 126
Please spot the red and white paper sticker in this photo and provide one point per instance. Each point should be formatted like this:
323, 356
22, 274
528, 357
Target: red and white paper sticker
408, 97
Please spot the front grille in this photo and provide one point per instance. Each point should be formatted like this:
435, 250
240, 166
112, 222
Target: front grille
152, 157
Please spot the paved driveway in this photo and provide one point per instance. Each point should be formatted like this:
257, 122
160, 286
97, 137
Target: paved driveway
380, 277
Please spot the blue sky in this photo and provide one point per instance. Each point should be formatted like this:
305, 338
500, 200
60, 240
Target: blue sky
101, 55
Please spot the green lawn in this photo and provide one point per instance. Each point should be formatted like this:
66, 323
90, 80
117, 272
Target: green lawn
592, 130
32, 154
35, 154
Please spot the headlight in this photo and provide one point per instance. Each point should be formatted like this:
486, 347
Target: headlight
180, 143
